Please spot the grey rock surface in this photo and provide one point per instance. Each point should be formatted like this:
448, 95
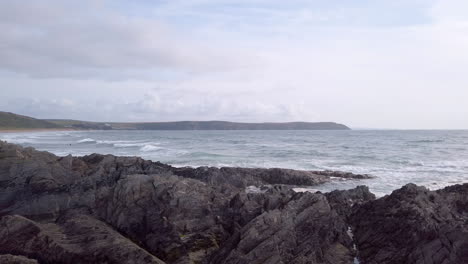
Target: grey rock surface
73, 238
108, 209
12, 259
414, 225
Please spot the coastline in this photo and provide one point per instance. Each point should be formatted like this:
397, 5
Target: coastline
25, 130
132, 210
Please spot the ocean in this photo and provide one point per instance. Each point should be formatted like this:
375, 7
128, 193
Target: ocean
431, 158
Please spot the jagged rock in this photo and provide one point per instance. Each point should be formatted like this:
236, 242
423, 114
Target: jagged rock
40, 185
344, 201
73, 238
189, 218
108, 209
12, 259
173, 217
295, 228
414, 225
243, 177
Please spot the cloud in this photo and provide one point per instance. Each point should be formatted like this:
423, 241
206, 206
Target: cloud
63, 39
369, 64
449, 11
159, 105
154, 105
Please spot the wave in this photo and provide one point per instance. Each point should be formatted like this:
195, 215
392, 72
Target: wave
427, 141
149, 148
408, 163
19, 138
87, 140
201, 154
131, 145
144, 146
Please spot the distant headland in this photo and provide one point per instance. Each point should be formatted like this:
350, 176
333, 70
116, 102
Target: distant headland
11, 121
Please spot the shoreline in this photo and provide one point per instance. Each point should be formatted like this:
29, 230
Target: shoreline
25, 130
128, 209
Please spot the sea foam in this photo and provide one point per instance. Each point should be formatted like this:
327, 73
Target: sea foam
150, 147
86, 140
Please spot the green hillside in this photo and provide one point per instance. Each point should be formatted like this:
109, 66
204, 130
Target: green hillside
199, 125
10, 121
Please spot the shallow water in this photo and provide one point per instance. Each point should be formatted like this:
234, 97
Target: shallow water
431, 158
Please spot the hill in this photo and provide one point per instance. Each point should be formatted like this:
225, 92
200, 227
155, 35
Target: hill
201, 125
224, 125
10, 121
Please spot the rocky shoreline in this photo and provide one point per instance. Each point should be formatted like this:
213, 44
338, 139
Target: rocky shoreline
108, 209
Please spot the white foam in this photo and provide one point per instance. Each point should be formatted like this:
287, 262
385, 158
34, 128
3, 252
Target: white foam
149, 148
254, 189
86, 140
20, 138
381, 154
311, 190
131, 145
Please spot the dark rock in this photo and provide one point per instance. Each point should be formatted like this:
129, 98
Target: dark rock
11, 259
101, 208
175, 218
414, 225
243, 177
107, 209
343, 175
73, 238
295, 228
344, 201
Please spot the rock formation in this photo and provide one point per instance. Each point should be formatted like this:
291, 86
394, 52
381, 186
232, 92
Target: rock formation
414, 225
107, 209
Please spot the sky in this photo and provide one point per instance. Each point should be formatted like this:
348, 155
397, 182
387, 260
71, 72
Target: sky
399, 64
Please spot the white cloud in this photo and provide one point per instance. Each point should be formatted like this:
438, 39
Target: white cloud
382, 64
60, 39
156, 106
449, 11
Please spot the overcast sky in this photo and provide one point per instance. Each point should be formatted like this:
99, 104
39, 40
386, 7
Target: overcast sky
366, 63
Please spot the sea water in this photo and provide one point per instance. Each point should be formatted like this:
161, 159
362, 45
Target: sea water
431, 158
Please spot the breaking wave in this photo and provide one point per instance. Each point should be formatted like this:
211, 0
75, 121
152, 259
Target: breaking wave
150, 148
430, 158
86, 140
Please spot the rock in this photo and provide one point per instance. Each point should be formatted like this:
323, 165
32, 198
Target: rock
342, 174
184, 216
243, 177
74, 238
344, 201
102, 207
40, 185
295, 228
414, 225
108, 209
11, 259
